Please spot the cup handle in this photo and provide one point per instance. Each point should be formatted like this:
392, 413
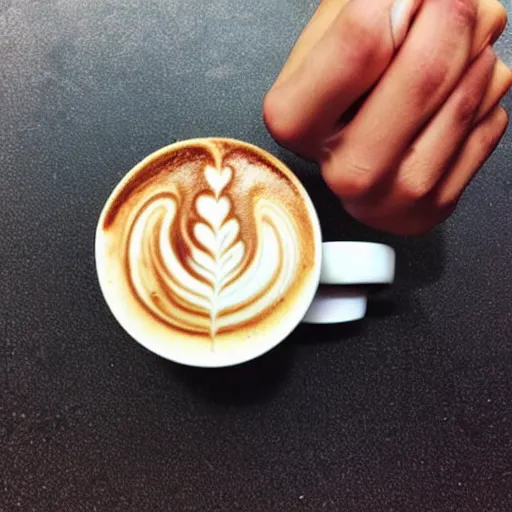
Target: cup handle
347, 268
336, 304
357, 263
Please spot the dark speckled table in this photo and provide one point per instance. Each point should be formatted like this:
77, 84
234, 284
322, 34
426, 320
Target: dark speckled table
410, 410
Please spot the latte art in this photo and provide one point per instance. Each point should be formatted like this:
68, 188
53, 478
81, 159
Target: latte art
199, 276
208, 240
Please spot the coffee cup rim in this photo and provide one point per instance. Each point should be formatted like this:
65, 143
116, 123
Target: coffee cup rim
299, 312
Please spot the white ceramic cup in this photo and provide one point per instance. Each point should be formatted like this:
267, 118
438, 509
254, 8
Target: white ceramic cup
335, 289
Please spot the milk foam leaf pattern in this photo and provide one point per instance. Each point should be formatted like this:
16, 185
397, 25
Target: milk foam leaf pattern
193, 271
217, 235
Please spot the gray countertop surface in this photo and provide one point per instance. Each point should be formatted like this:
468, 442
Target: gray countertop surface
410, 410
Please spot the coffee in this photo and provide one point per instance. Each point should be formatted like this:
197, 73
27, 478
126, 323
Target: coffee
209, 245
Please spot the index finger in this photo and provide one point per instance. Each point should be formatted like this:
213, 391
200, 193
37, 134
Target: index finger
346, 62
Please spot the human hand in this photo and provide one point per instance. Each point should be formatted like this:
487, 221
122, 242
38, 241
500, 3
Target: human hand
399, 111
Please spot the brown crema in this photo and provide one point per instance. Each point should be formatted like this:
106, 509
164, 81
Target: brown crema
208, 239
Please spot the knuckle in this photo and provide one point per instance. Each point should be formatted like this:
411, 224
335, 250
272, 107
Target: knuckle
349, 180
413, 189
432, 76
466, 106
365, 42
361, 55
360, 27
465, 12
278, 118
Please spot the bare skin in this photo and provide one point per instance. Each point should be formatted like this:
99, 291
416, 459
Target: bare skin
400, 116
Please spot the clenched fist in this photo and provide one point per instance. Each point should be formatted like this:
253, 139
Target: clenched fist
398, 103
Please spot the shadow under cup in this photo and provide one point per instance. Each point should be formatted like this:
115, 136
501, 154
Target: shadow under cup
209, 253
